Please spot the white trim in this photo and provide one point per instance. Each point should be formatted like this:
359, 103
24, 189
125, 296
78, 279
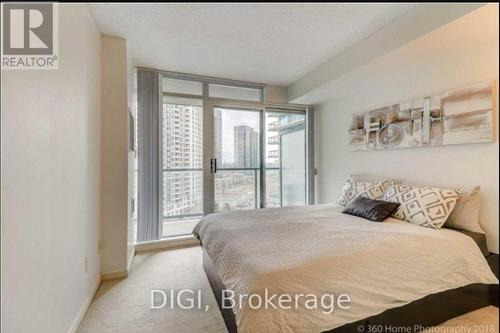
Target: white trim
289, 107
201, 78
180, 241
129, 264
85, 306
114, 275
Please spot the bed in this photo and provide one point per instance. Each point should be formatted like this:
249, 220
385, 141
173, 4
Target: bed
396, 273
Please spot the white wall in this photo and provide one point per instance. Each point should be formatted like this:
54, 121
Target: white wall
50, 182
460, 53
114, 157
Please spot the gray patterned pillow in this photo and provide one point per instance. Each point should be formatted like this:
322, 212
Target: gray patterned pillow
351, 190
425, 206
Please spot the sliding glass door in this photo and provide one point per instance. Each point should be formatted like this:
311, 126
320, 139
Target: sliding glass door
236, 161
242, 138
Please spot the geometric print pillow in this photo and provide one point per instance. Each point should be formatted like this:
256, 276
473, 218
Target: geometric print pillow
351, 190
425, 206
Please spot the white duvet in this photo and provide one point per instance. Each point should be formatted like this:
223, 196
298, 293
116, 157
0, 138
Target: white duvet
318, 250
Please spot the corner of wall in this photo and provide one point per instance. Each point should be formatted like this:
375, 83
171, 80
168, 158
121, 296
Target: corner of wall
275, 94
114, 155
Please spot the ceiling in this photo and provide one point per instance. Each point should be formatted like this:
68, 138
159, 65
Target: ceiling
439, 54
268, 43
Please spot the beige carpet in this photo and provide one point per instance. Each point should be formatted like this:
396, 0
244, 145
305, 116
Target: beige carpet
124, 305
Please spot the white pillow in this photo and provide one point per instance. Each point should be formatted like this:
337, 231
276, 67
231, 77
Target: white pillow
465, 216
425, 206
351, 190
366, 178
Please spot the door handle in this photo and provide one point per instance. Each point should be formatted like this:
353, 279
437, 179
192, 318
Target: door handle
211, 165
215, 165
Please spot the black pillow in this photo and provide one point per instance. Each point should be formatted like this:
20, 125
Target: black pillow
373, 210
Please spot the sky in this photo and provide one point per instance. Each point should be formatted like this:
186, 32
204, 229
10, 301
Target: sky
236, 117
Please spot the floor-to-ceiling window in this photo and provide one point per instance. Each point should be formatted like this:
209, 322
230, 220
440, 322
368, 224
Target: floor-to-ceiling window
182, 172
219, 147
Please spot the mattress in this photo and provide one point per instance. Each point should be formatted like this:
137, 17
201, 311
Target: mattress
318, 251
479, 238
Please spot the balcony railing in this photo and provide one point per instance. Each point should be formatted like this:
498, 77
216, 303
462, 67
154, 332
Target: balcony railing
273, 125
286, 121
177, 211
235, 188
238, 188
273, 153
273, 140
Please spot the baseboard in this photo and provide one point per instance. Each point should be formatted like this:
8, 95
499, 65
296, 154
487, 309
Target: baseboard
182, 241
85, 306
95, 287
114, 275
119, 274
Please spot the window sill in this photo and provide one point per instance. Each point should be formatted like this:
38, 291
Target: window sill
171, 242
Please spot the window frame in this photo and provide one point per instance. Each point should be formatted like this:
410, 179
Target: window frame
208, 106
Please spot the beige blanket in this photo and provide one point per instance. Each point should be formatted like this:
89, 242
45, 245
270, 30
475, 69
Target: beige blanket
318, 250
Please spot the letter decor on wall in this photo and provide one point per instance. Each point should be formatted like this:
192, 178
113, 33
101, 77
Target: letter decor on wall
456, 117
